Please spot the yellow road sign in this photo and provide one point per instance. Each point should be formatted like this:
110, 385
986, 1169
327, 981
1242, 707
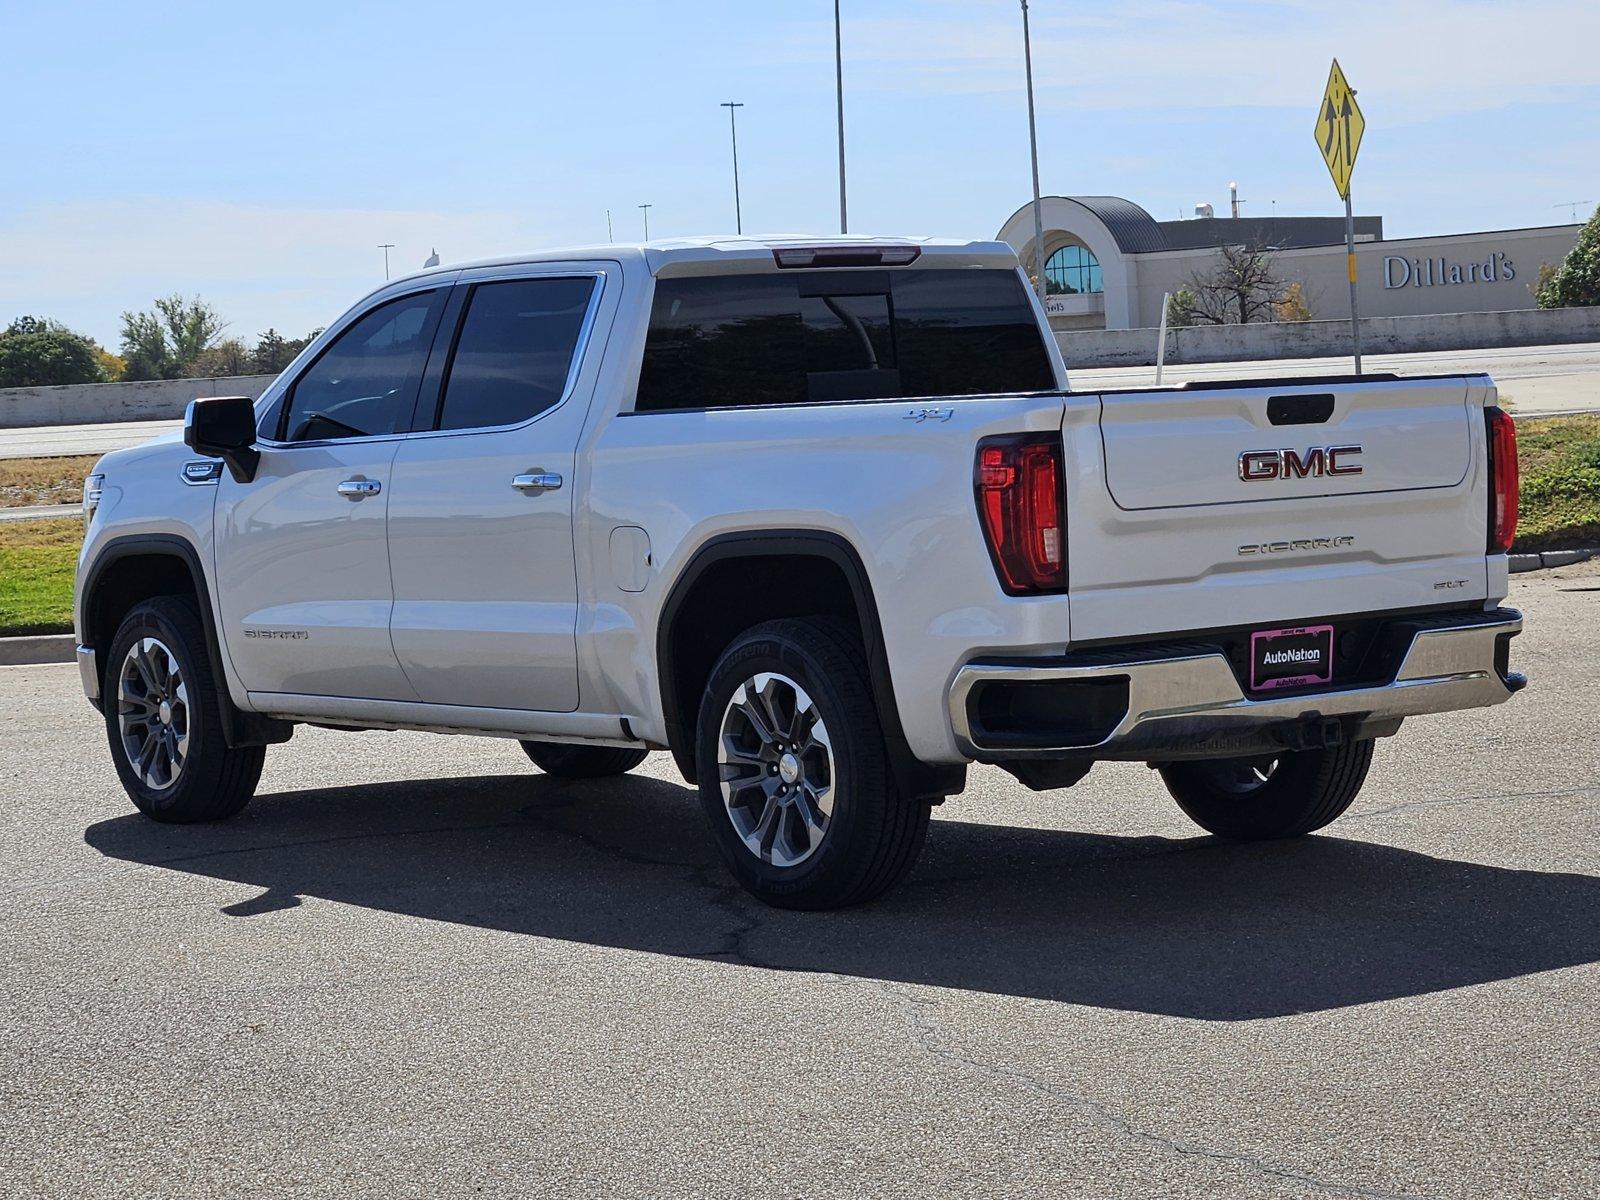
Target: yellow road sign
1339, 128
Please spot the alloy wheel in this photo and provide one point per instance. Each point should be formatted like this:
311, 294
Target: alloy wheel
153, 713
776, 769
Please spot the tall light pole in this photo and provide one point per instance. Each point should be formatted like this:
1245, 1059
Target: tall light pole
733, 129
386, 247
838, 79
1033, 145
645, 208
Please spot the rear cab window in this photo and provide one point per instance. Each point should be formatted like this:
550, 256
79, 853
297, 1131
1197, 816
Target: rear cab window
722, 341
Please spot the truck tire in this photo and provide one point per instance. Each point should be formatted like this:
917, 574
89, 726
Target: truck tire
793, 771
567, 761
1282, 796
164, 719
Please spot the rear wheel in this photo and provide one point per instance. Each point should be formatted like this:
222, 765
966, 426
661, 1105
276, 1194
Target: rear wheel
794, 774
1271, 796
164, 719
567, 761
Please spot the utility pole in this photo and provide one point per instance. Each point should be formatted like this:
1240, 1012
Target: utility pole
610, 237
733, 129
386, 247
838, 79
1033, 145
645, 208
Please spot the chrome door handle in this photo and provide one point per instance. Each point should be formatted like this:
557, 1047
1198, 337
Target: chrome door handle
536, 481
360, 489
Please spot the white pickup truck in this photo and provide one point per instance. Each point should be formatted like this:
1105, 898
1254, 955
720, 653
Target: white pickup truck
823, 519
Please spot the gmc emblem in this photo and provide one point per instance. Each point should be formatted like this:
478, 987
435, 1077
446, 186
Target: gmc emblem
1256, 465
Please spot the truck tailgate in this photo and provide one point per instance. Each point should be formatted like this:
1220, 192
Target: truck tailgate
1222, 506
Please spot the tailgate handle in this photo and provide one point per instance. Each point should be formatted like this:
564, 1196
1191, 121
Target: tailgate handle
1300, 410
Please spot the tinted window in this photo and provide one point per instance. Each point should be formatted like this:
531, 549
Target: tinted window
514, 352
366, 382
783, 338
962, 333
713, 342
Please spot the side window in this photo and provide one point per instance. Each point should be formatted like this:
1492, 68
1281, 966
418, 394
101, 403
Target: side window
722, 340
365, 383
514, 352
791, 337
963, 333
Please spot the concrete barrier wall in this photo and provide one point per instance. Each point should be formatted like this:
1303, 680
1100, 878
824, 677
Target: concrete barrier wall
1328, 339
98, 403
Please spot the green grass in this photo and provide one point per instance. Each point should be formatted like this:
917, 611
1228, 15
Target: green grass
1559, 456
1560, 463
37, 560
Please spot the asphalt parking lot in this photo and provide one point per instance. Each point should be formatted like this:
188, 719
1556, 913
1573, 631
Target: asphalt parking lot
415, 967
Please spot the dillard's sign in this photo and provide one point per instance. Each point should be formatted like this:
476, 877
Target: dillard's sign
1400, 272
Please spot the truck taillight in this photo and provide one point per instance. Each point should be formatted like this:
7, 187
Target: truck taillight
1503, 479
1018, 485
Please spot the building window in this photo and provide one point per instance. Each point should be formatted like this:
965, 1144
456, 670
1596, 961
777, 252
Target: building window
1072, 271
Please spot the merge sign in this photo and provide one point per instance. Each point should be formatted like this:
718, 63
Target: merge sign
1339, 129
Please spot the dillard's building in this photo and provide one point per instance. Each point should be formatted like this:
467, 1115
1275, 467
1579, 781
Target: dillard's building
1108, 262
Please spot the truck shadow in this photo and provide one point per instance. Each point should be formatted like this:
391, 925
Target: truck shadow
1184, 927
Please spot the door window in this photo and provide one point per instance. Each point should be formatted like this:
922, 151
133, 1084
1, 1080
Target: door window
515, 351
365, 383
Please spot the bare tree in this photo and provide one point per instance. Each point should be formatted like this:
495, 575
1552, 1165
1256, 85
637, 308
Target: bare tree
1242, 288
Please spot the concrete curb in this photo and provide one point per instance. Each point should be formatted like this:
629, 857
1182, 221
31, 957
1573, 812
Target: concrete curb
44, 648
1551, 558
40, 512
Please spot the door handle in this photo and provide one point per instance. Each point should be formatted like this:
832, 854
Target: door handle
360, 489
536, 481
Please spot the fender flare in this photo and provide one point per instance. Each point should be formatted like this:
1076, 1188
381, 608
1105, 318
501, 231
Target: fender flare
240, 728
915, 777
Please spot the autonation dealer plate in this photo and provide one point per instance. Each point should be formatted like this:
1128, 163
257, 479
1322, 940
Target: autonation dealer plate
1281, 658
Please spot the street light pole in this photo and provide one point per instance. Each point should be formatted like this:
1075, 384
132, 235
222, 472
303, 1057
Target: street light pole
1033, 146
838, 79
733, 129
386, 247
645, 208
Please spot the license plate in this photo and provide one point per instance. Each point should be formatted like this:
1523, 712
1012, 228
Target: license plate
1290, 657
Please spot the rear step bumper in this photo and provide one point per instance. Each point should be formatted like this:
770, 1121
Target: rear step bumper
1190, 705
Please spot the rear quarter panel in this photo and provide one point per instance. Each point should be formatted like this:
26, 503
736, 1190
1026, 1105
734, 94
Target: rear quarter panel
897, 489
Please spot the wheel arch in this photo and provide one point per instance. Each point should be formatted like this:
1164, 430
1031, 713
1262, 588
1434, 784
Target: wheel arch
684, 660
133, 568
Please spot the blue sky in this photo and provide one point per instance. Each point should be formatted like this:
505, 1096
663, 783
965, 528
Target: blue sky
257, 154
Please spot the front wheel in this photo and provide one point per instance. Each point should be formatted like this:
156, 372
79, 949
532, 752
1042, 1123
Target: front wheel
793, 771
1271, 796
164, 719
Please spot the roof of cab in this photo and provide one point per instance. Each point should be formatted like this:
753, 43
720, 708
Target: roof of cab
738, 249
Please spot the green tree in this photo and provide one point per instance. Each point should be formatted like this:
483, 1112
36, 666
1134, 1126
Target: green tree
1576, 282
274, 352
36, 352
165, 343
228, 357
1180, 309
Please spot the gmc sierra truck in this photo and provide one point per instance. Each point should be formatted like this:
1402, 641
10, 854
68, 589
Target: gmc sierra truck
820, 517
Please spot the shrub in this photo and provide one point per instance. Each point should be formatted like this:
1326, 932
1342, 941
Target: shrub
1576, 282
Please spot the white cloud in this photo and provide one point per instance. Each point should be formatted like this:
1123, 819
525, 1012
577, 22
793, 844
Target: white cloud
291, 268
1411, 59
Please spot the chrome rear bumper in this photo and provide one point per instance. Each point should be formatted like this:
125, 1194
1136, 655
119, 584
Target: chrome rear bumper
1191, 704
